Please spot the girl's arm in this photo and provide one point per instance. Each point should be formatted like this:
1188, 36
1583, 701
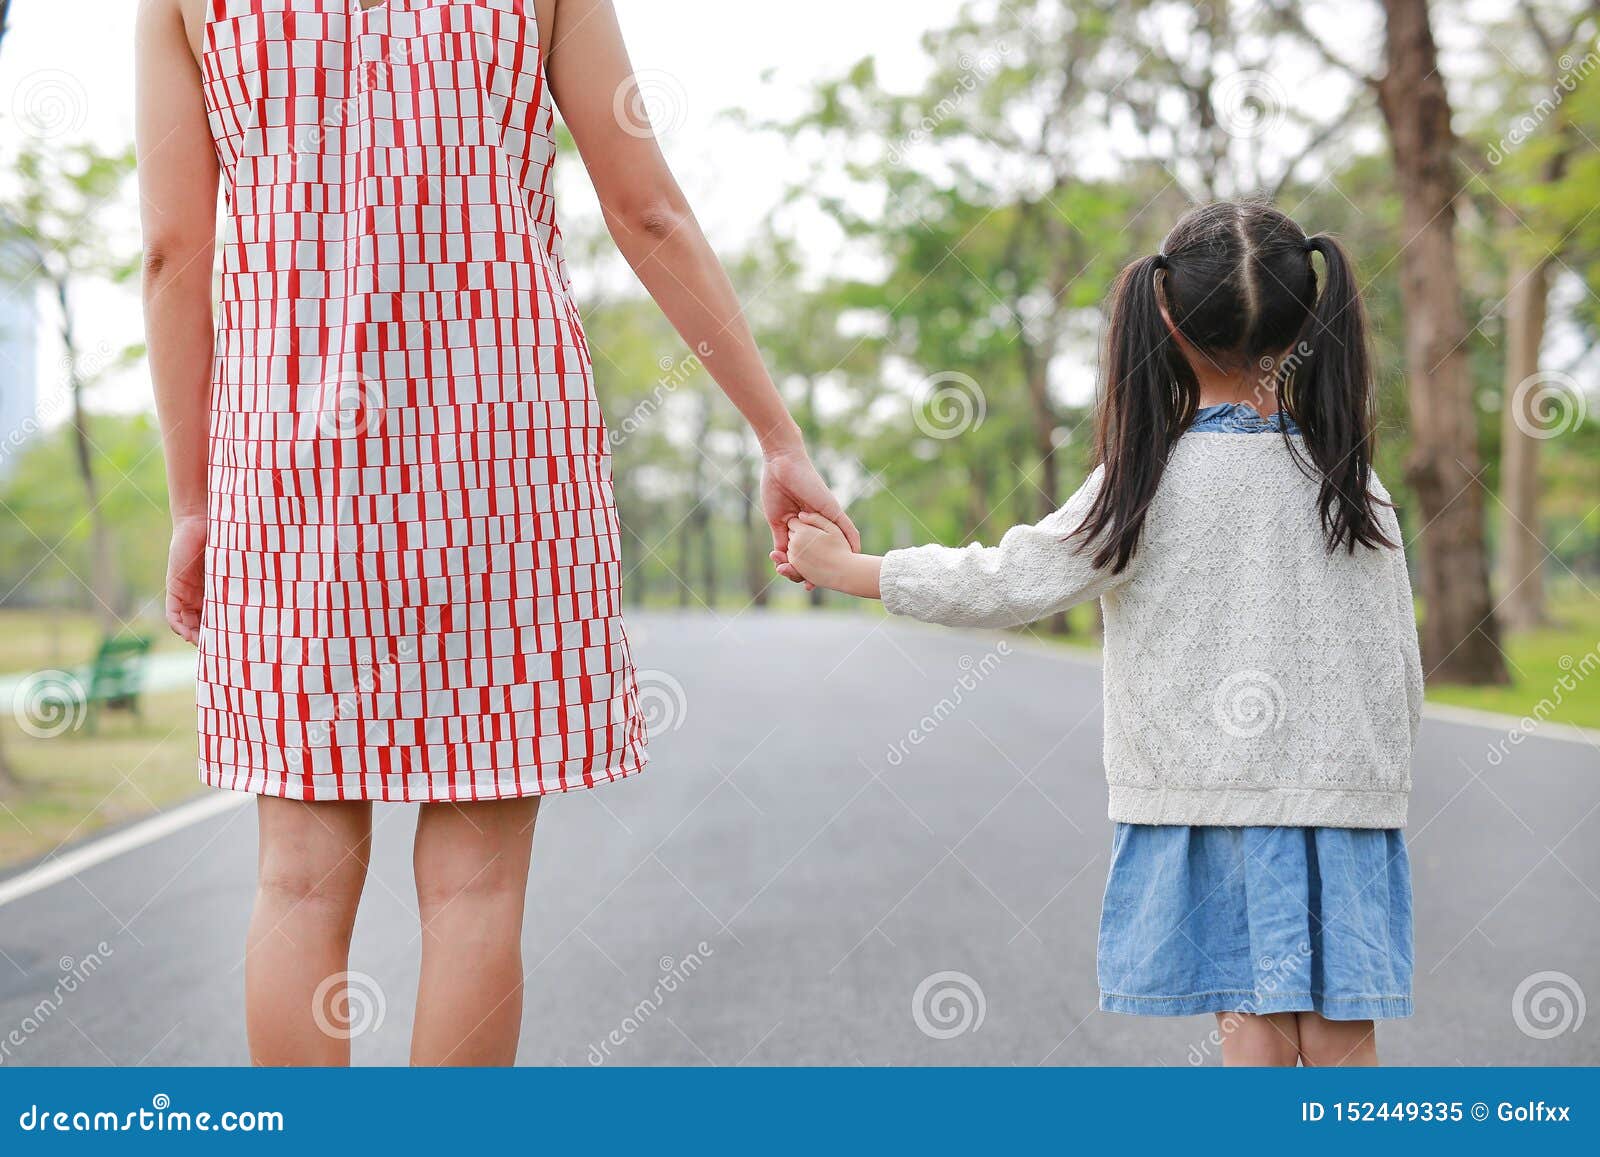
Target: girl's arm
178, 175
1034, 572
592, 81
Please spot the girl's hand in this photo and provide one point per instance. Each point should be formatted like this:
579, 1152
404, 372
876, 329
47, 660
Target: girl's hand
791, 485
186, 577
821, 554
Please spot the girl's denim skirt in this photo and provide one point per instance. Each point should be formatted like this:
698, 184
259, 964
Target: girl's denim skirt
1257, 920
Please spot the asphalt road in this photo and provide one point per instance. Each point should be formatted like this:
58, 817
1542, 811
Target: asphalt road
793, 866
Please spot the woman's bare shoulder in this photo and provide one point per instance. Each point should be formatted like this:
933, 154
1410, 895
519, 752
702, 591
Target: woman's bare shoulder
162, 20
194, 14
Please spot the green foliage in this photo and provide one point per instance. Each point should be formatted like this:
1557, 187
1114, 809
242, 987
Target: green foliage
53, 223
45, 549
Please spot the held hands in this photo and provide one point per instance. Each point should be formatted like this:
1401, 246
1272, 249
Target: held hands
821, 554
817, 549
790, 484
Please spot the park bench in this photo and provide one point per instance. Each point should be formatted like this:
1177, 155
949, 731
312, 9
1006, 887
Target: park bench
117, 676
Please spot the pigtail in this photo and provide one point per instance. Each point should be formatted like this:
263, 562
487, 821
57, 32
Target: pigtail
1148, 400
1327, 389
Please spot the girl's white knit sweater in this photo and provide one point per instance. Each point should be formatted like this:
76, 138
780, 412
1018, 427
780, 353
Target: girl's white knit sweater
1251, 677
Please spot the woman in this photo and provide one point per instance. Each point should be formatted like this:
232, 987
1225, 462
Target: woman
393, 533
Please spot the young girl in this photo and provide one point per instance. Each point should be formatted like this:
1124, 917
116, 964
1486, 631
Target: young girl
1262, 681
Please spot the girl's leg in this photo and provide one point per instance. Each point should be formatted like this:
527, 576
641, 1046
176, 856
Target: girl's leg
1337, 1043
312, 864
1272, 1040
471, 863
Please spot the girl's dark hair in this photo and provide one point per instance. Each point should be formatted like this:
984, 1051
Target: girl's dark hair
1238, 281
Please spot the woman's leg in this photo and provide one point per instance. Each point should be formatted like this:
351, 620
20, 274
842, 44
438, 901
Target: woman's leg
1337, 1043
1272, 1040
471, 863
312, 863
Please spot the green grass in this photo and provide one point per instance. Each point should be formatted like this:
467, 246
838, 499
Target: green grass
75, 783
1539, 662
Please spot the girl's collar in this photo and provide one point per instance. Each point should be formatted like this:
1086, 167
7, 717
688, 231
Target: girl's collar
1240, 418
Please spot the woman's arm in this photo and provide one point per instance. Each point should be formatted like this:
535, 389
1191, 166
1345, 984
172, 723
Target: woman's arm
592, 81
178, 209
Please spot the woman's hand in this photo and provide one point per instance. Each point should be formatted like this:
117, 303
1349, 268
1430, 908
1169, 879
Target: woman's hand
186, 577
791, 485
820, 553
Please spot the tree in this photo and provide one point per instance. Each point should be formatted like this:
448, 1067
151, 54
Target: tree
1534, 240
1460, 634
53, 230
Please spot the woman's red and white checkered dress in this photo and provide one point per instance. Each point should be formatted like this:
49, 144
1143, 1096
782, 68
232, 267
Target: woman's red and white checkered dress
413, 584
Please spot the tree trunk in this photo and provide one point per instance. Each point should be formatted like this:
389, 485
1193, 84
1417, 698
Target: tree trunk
1460, 636
1522, 549
1037, 224
757, 571
10, 786
697, 522
104, 585
686, 533
633, 578
708, 557
809, 431
979, 493
1036, 367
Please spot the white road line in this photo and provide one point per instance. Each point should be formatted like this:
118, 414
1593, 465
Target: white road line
1494, 721
85, 856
